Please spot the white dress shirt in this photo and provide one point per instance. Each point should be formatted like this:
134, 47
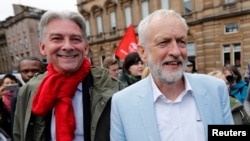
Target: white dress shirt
78, 110
178, 120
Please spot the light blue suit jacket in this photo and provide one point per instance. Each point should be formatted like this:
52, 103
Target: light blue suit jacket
133, 115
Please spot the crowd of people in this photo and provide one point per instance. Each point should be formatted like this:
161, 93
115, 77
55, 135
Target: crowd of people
156, 94
28, 67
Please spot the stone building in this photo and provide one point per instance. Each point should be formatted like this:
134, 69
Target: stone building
219, 30
3, 50
19, 37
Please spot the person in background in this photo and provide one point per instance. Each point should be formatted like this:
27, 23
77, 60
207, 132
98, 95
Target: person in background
238, 88
247, 73
237, 64
71, 100
247, 79
5, 98
169, 102
112, 65
238, 110
190, 67
8, 79
145, 72
132, 69
247, 101
28, 67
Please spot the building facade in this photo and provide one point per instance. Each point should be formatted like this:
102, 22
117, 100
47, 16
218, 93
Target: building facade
219, 30
19, 37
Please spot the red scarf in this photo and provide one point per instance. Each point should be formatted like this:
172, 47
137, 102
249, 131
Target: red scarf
57, 90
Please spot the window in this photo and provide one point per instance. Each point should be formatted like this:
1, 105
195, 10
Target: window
18, 28
232, 54
187, 6
12, 60
7, 33
236, 53
13, 31
231, 28
87, 28
102, 58
110, 7
23, 27
14, 46
20, 44
226, 56
128, 16
26, 44
99, 24
191, 54
144, 9
164, 4
112, 21
10, 48
91, 60
229, 1
191, 49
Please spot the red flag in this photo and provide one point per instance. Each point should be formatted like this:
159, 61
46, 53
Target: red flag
127, 44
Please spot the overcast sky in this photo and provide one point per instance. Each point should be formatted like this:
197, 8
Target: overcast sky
6, 8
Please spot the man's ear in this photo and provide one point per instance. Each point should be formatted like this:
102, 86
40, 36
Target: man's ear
142, 53
42, 48
86, 49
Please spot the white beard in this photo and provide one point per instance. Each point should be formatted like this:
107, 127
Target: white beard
163, 75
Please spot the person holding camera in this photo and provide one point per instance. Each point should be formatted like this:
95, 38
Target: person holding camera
6, 93
238, 88
238, 110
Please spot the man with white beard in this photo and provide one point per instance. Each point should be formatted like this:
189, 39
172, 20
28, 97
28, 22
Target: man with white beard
169, 104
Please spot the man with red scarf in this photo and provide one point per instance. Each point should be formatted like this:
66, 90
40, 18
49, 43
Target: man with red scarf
71, 100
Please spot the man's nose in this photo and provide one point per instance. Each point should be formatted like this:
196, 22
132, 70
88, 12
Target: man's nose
174, 49
67, 44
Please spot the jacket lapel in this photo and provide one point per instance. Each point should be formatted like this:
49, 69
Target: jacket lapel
203, 105
86, 84
146, 111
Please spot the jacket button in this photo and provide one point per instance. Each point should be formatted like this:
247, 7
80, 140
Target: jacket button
102, 103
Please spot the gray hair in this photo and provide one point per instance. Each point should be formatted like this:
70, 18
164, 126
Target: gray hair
70, 15
162, 13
